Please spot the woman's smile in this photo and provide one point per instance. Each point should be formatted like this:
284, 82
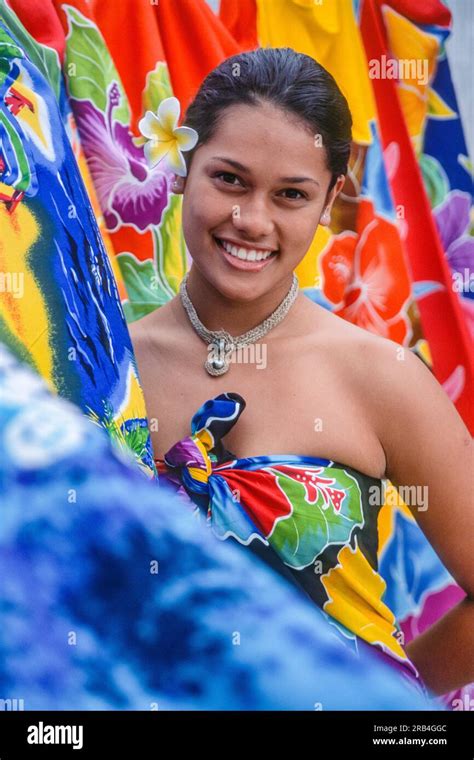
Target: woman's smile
244, 257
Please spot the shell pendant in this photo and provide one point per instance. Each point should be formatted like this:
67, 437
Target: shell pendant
220, 353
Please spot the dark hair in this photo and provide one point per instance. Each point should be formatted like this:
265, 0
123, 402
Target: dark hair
292, 81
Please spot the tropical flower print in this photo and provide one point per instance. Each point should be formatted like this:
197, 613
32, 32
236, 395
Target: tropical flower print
71, 326
365, 276
129, 191
453, 221
355, 593
312, 519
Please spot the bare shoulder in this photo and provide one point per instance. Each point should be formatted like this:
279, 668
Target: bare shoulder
428, 448
416, 422
367, 358
391, 377
387, 379
400, 384
154, 330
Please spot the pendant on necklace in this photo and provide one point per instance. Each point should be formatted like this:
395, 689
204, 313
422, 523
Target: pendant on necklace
220, 353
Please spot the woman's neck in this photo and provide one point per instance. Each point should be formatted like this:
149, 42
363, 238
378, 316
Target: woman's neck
217, 312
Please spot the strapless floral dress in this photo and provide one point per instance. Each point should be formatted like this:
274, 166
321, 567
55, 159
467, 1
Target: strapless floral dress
313, 520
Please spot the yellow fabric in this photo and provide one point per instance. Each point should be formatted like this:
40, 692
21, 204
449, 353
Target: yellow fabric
410, 43
204, 442
329, 33
307, 271
355, 593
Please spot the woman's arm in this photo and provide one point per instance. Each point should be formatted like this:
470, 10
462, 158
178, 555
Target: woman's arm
428, 445
444, 652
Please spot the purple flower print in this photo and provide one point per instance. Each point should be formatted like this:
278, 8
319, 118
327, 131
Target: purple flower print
128, 191
452, 219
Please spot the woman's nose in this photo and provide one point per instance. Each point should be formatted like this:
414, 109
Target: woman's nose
252, 217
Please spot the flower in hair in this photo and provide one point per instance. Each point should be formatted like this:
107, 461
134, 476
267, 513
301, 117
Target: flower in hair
162, 136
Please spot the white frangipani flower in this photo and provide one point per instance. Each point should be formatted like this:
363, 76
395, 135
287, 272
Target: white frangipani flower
162, 137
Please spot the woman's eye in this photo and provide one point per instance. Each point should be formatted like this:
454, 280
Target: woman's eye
293, 190
225, 177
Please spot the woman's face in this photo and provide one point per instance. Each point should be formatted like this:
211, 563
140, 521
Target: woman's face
258, 186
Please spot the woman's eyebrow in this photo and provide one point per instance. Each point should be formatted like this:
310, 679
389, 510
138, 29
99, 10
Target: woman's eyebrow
245, 169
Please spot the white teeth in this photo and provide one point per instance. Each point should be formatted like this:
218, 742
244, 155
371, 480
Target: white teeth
245, 253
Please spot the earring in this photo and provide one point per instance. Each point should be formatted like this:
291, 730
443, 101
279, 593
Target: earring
326, 218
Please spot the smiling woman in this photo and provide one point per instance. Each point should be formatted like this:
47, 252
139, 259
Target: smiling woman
274, 142
302, 482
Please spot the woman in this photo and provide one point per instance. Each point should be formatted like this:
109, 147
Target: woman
331, 410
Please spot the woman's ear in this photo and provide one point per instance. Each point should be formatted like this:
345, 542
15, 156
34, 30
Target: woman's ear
325, 218
178, 184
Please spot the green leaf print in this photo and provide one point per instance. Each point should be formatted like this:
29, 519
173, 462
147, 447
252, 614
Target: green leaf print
170, 249
144, 289
157, 88
23, 180
303, 535
89, 68
8, 49
126, 440
434, 178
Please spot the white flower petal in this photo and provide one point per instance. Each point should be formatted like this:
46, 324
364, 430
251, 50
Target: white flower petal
187, 137
152, 155
176, 161
168, 113
147, 125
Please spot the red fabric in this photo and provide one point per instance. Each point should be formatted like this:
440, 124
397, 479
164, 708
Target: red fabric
240, 18
263, 502
41, 21
441, 315
184, 33
422, 11
131, 32
194, 41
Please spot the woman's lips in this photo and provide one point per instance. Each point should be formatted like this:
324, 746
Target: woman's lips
242, 264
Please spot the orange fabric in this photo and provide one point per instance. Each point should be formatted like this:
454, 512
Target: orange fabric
133, 38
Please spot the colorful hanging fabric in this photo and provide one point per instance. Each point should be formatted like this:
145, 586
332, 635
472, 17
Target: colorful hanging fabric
404, 107
60, 310
429, 172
